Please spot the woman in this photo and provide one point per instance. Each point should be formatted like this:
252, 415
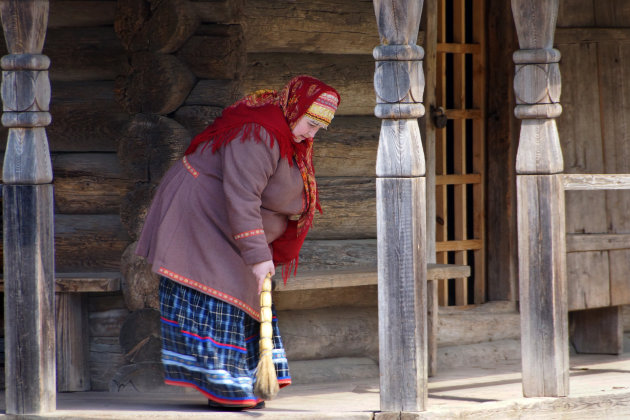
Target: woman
239, 204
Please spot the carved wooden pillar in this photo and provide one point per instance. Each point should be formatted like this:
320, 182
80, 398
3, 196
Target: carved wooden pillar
27, 212
540, 203
401, 208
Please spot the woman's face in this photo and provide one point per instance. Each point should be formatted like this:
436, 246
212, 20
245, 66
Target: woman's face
304, 129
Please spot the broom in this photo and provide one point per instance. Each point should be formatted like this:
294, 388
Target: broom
266, 386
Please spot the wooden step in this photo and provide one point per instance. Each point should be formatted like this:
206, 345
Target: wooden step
84, 282
327, 279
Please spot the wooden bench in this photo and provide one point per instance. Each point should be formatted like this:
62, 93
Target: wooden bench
72, 324
326, 279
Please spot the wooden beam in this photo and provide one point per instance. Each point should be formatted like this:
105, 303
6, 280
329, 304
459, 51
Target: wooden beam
586, 35
592, 182
456, 48
84, 282
463, 245
458, 179
582, 242
309, 280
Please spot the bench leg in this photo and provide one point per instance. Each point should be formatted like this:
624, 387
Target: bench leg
72, 343
597, 330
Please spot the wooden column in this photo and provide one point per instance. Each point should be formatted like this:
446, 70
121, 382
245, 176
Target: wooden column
27, 212
540, 203
401, 208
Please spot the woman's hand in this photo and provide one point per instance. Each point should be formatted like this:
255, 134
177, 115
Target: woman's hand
261, 270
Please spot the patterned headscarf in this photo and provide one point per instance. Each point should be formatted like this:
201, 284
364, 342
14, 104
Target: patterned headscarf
278, 113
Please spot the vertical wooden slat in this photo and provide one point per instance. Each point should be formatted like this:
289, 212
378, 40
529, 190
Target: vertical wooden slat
73, 373
400, 208
540, 203
441, 212
27, 212
479, 147
459, 145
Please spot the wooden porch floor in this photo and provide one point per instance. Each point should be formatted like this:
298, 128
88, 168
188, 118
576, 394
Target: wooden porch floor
600, 388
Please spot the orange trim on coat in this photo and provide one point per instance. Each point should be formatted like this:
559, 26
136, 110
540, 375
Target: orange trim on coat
188, 166
249, 233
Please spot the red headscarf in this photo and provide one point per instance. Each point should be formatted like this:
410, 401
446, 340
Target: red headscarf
277, 113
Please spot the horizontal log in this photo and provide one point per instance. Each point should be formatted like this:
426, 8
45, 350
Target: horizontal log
349, 209
597, 242
586, 35
218, 11
77, 13
88, 183
156, 84
308, 280
214, 93
348, 147
214, 52
587, 182
83, 282
196, 117
88, 243
348, 254
351, 75
86, 118
319, 26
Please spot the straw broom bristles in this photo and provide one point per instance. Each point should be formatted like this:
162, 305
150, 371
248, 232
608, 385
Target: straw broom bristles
266, 386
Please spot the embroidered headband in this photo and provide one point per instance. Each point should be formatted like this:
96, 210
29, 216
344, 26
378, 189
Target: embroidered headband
323, 109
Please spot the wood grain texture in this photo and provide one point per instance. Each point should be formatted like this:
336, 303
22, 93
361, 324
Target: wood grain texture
155, 84
72, 343
29, 298
575, 13
351, 75
84, 282
218, 11
77, 13
501, 142
588, 279
402, 293
543, 285
215, 52
320, 26
597, 242
597, 330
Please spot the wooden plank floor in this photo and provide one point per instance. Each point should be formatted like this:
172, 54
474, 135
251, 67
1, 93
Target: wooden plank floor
600, 388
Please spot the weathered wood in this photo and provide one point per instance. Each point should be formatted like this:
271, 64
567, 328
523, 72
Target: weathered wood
349, 210
501, 145
76, 13
72, 343
401, 209
140, 285
597, 330
29, 298
351, 75
134, 208
88, 183
363, 276
588, 182
214, 93
149, 145
27, 212
432, 326
84, 282
365, 296
89, 242
93, 53
575, 13
156, 83
581, 35
402, 294
140, 336
543, 285
161, 27
215, 52
332, 332
319, 255
588, 279
613, 60
86, 118
611, 13
218, 11
320, 26
195, 117
597, 242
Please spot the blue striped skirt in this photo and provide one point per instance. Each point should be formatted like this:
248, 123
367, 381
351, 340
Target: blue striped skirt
212, 346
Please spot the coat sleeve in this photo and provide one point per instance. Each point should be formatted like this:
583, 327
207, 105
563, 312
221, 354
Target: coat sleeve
247, 167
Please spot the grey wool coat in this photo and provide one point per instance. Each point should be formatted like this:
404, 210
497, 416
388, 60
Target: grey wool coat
214, 214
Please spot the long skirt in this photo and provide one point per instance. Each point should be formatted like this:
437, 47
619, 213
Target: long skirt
212, 346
